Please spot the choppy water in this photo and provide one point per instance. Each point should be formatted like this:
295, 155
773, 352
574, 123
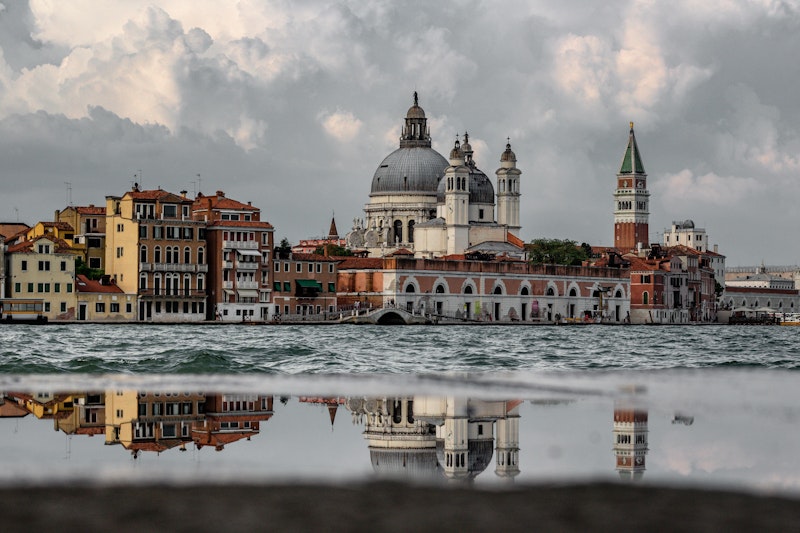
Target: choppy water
346, 349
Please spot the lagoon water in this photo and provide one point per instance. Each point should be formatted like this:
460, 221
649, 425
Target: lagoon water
720, 404
347, 349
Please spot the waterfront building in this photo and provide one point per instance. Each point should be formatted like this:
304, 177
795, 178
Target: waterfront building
239, 251
154, 248
790, 272
684, 233
631, 201
433, 206
229, 418
103, 301
659, 290
87, 416
89, 232
762, 279
750, 300
304, 285
152, 421
43, 268
477, 289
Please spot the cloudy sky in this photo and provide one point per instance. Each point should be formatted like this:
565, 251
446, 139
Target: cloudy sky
293, 104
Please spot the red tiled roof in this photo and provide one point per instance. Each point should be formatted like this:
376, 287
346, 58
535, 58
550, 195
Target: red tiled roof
221, 202
158, 194
516, 241
91, 210
360, 263
401, 251
240, 224
638, 263
61, 245
84, 284
9, 229
64, 226
312, 257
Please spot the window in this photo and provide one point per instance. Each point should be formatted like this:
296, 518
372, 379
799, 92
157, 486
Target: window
172, 232
119, 251
47, 307
331, 287
319, 268
201, 257
158, 232
100, 307
330, 268
286, 267
17, 287
30, 287
142, 231
94, 262
44, 266
277, 266
277, 286
120, 228
128, 308
169, 211
24, 266
157, 254
143, 254
187, 255
299, 267
63, 307
69, 287
188, 233
287, 286
115, 308
645, 298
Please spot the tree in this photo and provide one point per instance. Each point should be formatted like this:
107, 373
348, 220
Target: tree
83, 269
556, 252
283, 249
333, 250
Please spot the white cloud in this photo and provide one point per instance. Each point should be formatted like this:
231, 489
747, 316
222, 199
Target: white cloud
341, 125
708, 189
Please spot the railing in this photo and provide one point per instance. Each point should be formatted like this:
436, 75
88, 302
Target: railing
247, 265
227, 284
241, 245
247, 285
171, 293
227, 264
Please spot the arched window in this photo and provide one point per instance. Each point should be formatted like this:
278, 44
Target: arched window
143, 254
468, 289
398, 231
498, 290
524, 291
573, 293
440, 289
550, 291
187, 255
168, 258
410, 288
201, 280
157, 254
618, 294
187, 284
645, 298
411, 231
142, 281
201, 258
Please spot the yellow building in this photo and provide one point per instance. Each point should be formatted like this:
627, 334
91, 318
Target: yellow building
43, 268
103, 301
156, 250
55, 230
89, 223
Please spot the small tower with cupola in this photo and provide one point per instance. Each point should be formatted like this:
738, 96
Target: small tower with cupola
631, 201
507, 451
456, 200
630, 439
508, 178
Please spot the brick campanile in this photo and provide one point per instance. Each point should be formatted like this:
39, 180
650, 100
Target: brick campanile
631, 201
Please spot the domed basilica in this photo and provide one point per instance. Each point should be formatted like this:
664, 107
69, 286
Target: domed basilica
434, 206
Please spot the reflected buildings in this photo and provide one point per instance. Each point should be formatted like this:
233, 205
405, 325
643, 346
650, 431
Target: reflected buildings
428, 437
412, 438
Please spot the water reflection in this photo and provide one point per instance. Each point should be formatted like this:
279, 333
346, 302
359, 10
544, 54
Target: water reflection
417, 437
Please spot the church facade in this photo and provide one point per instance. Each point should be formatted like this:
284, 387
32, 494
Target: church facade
430, 206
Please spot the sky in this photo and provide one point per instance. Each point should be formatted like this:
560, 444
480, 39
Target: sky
292, 105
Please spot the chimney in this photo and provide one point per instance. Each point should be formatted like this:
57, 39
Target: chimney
220, 195
55, 219
183, 194
716, 248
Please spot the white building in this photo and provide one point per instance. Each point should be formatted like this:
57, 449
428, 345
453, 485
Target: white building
433, 206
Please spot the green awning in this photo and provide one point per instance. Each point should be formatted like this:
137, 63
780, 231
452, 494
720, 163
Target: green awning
309, 284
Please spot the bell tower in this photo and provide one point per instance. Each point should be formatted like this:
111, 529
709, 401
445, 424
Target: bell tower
456, 200
508, 191
631, 201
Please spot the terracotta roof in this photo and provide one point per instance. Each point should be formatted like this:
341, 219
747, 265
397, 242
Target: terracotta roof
221, 202
516, 241
401, 251
361, 263
91, 210
9, 229
240, 224
64, 226
638, 263
61, 245
84, 284
312, 257
454, 257
158, 194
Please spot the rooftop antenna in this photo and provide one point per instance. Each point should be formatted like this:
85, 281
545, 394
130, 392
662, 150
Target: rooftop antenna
69, 193
16, 213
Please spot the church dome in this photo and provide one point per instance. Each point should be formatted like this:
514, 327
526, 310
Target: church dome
508, 155
409, 170
411, 463
481, 190
415, 111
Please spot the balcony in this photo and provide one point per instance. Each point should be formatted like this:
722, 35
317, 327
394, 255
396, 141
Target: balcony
240, 245
227, 264
171, 293
242, 265
247, 285
227, 284
202, 268
145, 267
